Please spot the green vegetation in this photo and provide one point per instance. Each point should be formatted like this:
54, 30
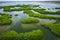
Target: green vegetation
42, 11
30, 13
57, 12
30, 20
27, 7
16, 9
34, 35
28, 23
12, 35
23, 5
55, 28
6, 8
16, 14
5, 19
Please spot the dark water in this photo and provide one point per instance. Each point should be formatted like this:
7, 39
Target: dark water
17, 20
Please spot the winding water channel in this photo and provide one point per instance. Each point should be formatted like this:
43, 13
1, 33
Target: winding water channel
17, 24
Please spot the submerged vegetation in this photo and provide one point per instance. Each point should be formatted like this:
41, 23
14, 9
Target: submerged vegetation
30, 20
12, 35
5, 19
16, 14
55, 28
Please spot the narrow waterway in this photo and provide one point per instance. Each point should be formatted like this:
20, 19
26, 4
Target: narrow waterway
48, 35
16, 26
17, 21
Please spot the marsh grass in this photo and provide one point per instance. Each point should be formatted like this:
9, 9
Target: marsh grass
42, 11
55, 28
30, 20
5, 19
13, 35
31, 13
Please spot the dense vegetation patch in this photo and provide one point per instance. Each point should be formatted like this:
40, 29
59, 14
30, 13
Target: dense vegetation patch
31, 13
42, 11
23, 7
30, 20
5, 19
6, 8
16, 14
34, 35
55, 28
57, 12
16, 9
12, 35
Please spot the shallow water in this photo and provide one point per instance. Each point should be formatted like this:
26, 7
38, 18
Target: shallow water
50, 7
4, 28
17, 25
46, 14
